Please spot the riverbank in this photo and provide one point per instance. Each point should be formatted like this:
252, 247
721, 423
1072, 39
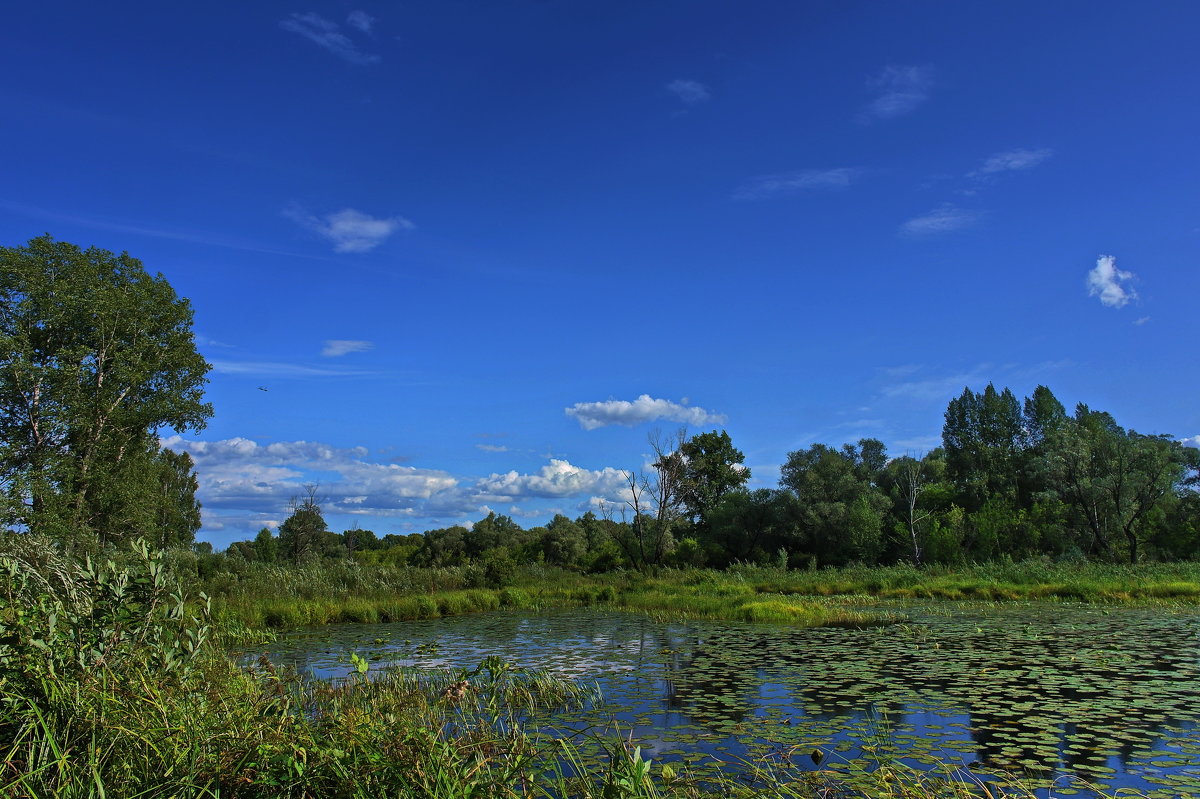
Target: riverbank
279, 598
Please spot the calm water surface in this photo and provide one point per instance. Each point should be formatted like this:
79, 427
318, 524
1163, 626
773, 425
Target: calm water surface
1110, 695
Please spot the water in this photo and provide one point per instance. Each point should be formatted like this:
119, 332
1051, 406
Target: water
1046, 691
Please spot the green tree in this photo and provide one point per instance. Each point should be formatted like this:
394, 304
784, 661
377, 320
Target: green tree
712, 467
828, 485
178, 516
1118, 483
983, 437
752, 526
563, 543
95, 356
266, 546
302, 535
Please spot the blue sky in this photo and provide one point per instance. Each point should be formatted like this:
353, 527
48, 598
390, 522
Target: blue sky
476, 251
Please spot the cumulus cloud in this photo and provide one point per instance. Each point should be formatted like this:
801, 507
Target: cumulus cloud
1105, 281
328, 35
336, 347
1012, 161
690, 92
557, 479
360, 20
243, 475
940, 220
1194, 441
592, 415
767, 186
899, 90
350, 230
245, 484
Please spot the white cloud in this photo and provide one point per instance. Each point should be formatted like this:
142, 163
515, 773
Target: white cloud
940, 220
1012, 160
328, 35
361, 20
689, 91
336, 347
793, 182
1194, 441
592, 415
245, 484
350, 230
491, 447
241, 475
900, 91
557, 479
1104, 281
1141, 320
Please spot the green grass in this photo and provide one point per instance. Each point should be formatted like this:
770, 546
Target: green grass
273, 597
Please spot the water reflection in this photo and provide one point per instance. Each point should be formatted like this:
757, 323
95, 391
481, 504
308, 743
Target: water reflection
1107, 694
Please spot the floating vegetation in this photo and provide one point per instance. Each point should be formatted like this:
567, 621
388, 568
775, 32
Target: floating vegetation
1069, 695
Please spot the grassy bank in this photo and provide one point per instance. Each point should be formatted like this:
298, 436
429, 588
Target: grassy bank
1025, 580
274, 597
278, 597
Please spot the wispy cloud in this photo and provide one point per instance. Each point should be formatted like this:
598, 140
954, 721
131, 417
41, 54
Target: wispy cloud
689, 92
939, 387
593, 415
348, 229
137, 229
766, 186
328, 35
361, 20
1012, 161
900, 89
945, 219
280, 370
492, 447
1106, 282
337, 347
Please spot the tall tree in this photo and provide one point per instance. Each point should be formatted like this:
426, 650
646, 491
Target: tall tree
829, 485
983, 436
302, 534
712, 468
95, 355
1117, 483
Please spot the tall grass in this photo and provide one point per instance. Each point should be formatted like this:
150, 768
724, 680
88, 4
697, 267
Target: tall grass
258, 597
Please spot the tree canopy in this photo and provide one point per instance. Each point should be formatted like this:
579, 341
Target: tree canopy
96, 355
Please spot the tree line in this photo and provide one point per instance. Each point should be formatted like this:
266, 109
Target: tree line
97, 355
1012, 479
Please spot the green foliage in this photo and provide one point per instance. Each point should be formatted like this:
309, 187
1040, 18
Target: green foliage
712, 468
65, 620
303, 534
95, 356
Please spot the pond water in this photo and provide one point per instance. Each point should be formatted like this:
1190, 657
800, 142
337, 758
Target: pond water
1054, 691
